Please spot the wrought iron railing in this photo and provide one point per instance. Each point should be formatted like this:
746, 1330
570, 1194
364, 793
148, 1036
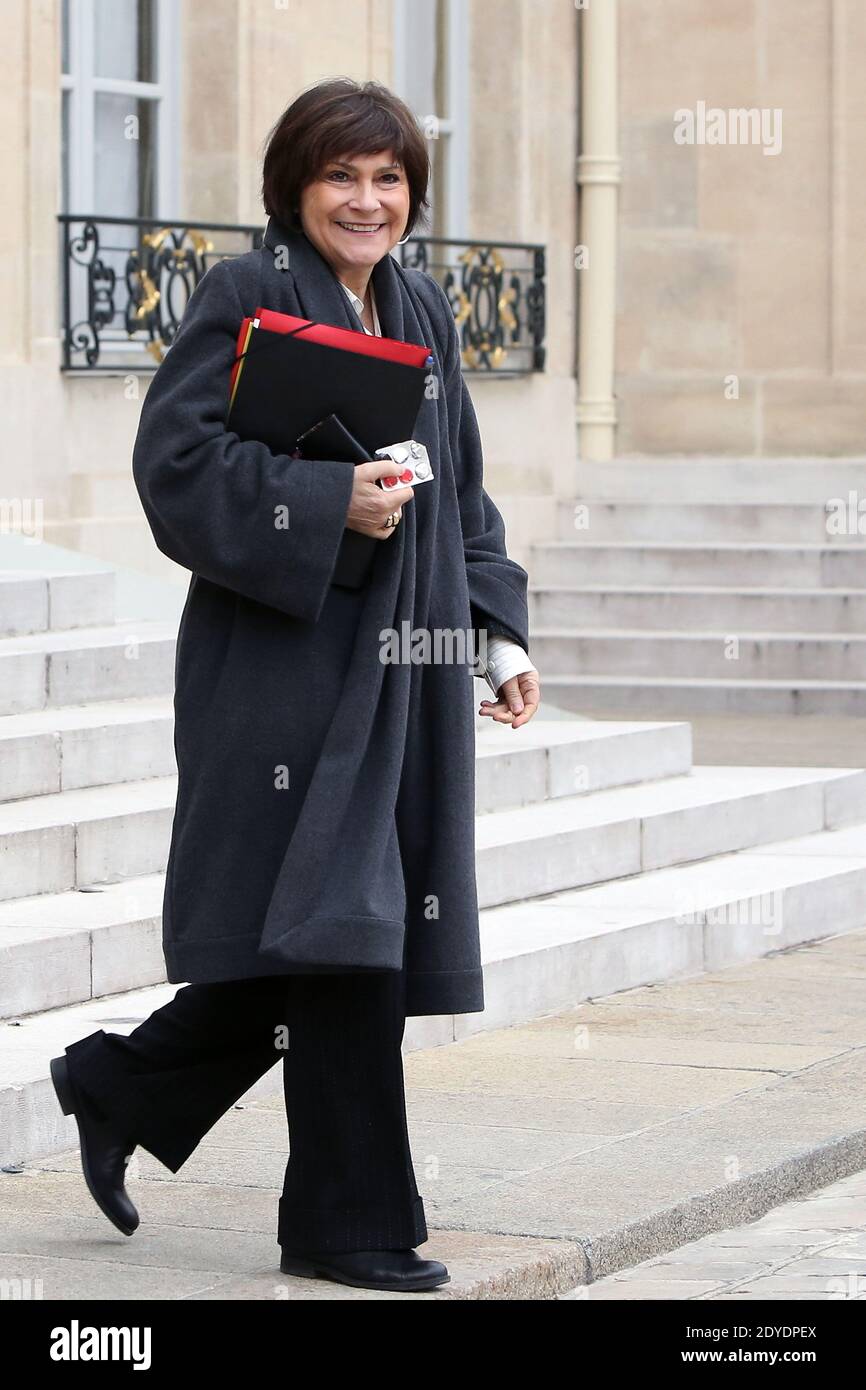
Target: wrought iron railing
126, 283
496, 292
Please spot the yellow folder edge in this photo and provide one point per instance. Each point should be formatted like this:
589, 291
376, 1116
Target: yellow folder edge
241, 363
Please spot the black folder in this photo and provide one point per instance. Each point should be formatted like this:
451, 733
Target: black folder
290, 384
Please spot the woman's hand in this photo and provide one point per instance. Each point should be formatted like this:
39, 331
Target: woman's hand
519, 698
370, 506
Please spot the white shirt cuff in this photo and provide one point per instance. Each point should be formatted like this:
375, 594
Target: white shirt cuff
505, 658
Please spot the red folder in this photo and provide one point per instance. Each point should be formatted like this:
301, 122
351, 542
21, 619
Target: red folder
392, 349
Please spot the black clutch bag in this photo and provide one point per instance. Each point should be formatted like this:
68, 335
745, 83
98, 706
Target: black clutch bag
329, 439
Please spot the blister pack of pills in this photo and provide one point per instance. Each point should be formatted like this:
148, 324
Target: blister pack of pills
412, 464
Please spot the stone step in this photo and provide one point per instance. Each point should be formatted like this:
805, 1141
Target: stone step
538, 956
720, 654
676, 607
38, 602
104, 936
578, 840
109, 742
664, 697
789, 523
755, 566
650, 478
71, 839
97, 744
74, 839
89, 663
554, 952
64, 948
59, 840
573, 757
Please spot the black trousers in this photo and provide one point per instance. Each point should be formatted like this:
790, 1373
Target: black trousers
350, 1182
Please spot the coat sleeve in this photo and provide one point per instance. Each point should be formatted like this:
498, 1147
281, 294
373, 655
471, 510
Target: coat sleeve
265, 525
497, 584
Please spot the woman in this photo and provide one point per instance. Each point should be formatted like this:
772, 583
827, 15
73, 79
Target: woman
321, 872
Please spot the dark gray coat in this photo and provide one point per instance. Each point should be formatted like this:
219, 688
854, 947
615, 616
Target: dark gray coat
325, 804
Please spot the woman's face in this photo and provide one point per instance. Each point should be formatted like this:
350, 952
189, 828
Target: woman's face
356, 191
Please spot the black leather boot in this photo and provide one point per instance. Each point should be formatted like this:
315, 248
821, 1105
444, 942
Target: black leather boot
104, 1152
398, 1270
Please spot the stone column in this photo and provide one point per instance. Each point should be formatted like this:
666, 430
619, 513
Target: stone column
598, 177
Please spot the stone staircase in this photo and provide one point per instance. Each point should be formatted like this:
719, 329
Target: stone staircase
706, 587
606, 859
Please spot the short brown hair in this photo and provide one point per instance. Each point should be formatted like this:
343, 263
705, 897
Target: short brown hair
334, 117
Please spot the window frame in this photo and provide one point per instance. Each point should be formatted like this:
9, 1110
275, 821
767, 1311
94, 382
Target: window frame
455, 126
82, 84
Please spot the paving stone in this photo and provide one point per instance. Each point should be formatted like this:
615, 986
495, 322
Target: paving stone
815, 1263
540, 1167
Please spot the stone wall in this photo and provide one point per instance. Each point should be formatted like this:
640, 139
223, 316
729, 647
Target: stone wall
739, 271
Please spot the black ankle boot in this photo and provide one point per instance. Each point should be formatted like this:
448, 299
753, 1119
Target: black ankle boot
400, 1270
104, 1151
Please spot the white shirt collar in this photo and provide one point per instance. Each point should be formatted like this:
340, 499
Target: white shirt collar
358, 305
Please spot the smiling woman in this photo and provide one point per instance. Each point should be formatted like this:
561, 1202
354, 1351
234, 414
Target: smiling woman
321, 872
